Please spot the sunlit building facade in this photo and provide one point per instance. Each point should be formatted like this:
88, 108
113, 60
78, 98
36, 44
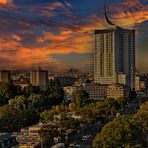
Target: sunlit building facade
116, 91
5, 76
114, 53
39, 78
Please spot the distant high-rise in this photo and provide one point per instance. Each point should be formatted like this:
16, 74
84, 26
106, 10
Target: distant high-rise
39, 78
5, 76
114, 54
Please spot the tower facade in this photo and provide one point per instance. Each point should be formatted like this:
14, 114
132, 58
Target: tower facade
114, 53
39, 78
5, 76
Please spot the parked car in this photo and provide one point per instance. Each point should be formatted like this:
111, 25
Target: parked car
77, 146
72, 145
84, 138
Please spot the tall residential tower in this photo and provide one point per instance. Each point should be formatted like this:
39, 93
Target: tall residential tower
5, 76
114, 55
39, 78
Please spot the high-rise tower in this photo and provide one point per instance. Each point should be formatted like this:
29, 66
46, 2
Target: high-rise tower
5, 76
114, 54
39, 78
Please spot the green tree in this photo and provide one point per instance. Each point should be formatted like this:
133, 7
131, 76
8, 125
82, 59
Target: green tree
121, 132
28, 90
81, 97
65, 122
47, 115
55, 92
38, 102
122, 101
132, 95
19, 103
13, 119
126, 131
141, 117
88, 114
47, 134
112, 105
144, 107
8, 91
72, 106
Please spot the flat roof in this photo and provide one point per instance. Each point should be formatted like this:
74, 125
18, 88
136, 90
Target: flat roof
97, 31
100, 31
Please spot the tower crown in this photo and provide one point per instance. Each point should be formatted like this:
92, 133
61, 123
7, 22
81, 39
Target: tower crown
108, 20
106, 17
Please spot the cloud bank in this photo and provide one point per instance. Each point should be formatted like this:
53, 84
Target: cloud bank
31, 33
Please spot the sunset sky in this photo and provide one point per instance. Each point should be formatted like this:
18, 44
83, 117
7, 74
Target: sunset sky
57, 34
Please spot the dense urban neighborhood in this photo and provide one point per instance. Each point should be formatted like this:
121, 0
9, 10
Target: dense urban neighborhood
35, 117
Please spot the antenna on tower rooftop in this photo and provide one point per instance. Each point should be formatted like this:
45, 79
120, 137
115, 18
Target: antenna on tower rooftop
106, 17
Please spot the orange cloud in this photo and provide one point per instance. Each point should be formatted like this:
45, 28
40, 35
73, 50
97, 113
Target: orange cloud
132, 18
49, 36
66, 42
27, 57
129, 13
5, 1
16, 37
22, 57
76, 38
131, 2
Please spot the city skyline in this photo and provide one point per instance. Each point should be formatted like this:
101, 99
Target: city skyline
59, 34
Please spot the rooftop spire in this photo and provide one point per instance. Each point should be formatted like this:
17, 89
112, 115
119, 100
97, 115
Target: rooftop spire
106, 17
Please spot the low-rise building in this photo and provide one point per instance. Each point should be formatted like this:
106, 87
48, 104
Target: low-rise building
95, 91
139, 83
142, 85
34, 131
121, 79
116, 91
21, 83
30, 145
31, 137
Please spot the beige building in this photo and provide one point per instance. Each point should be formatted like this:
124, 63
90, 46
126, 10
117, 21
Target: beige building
5, 76
30, 137
95, 91
116, 91
39, 78
30, 145
121, 79
142, 85
34, 131
137, 83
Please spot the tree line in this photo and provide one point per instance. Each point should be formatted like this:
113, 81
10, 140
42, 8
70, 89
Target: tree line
125, 132
20, 108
